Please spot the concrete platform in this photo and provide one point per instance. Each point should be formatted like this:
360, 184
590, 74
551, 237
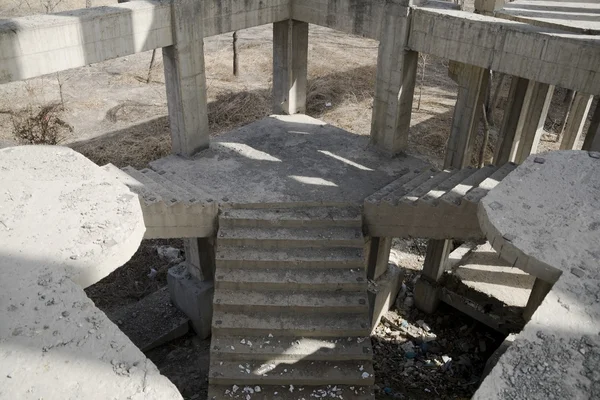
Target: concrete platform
287, 159
63, 226
544, 218
581, 16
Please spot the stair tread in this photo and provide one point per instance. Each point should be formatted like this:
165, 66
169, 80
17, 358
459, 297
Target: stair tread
176, 193
177, 179
410, 185
490, 182
293, 348
301, 213
428, 185
299, 255
290, 324
404, 177
434, 194
278, 392
150, 190
314, 301
352, 277
302, 372
456, 194
324, 234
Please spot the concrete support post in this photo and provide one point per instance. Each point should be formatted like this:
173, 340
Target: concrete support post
538, 293
472, 85
395, 83
576, 121
378, 256
426, 290
524, 119
290, 63
185, 80
200, 257
487, 7
592, 138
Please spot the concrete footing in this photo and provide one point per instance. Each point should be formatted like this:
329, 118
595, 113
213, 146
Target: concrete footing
193, 297
383, 292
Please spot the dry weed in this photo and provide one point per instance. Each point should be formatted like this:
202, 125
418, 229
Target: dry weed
40, 126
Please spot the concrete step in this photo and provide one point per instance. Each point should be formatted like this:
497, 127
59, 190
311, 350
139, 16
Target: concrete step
143, 187
432, 197
157, 190
457, 193
289, 324
429, 185
198, 193
288, 237
291, 279
394, 197
281, 301
476, 194
304, 217
278, 392
250, 257
404, 177
264, 348
280, 372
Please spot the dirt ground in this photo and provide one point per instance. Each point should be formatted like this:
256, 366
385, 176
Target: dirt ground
116, 112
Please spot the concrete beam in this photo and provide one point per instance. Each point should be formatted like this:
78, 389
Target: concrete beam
536, 53
290, 66
523, 123
42, 44
592, 138
395, 84
576, 120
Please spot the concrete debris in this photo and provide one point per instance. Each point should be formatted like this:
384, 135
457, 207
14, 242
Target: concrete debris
169, 254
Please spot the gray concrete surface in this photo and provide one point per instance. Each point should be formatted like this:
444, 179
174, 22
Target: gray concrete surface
544, 218
287, 159
64, 224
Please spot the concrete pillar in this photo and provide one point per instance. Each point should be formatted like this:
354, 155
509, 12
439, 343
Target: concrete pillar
472, 85
200, 257
524, 119
395, 82
378, 256
290, 62
576, 121
592, 138
426, 289
487, 7
185, 80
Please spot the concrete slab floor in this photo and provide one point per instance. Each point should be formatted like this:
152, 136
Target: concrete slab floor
283, 159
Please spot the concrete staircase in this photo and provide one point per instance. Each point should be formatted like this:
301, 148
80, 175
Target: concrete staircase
291, 316
432, 204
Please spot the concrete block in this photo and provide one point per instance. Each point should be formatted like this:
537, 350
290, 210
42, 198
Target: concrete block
193, 297
427, 296
382, 293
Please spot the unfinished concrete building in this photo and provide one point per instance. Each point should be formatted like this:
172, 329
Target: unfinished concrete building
285, 220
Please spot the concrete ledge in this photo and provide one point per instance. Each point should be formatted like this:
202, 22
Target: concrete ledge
193, 297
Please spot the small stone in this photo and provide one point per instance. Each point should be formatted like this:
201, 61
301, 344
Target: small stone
594, 154
65, 314
539, 160
577, 272
365, 375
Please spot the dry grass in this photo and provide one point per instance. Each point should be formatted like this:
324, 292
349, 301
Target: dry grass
40, 125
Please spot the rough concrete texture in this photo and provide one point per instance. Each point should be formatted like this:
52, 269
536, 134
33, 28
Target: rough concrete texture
573, 15
544, 218
63, 226
415, 203
193, 297
482, 270
383, 293
285, 159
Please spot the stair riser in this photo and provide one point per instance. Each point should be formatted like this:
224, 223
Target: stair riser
289, 264
289, 223
217, 355
283, 380
291, 286
316, 332
281, 243
358, 309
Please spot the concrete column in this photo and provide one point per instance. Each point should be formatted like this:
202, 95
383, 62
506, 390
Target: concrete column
395, 83
487, 7
290, 62
592, 138
200, 257
426, 290
538, 293
524, 119
576, 121
185, 80
378, 256
472, 85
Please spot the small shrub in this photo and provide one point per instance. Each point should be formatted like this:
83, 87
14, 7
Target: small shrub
40, 126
